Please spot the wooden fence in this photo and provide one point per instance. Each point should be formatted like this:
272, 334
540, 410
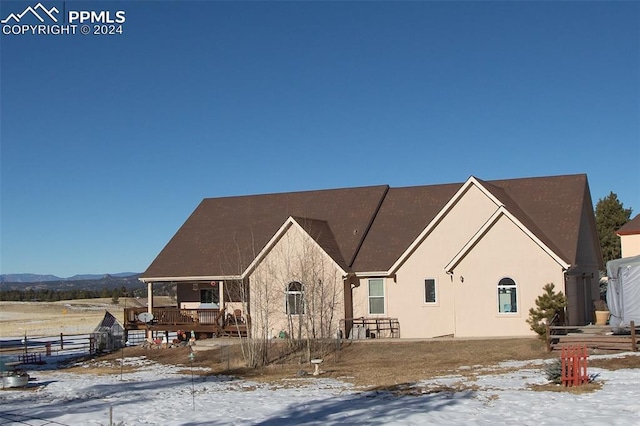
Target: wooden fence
34, 349
593, 337
574, 365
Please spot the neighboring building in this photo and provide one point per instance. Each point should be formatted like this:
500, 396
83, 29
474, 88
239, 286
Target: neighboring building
630, 237
465, 259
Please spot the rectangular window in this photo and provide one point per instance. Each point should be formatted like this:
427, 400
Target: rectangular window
430, 290
507, 301
295, 301
376, 296
294, 304
209, 295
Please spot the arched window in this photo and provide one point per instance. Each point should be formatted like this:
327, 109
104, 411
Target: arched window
507, 296
295, 298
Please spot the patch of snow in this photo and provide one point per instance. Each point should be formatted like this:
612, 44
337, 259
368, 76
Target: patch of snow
167, 395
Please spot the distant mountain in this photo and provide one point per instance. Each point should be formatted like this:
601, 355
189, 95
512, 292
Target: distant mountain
27, 278
35, 278
128, 281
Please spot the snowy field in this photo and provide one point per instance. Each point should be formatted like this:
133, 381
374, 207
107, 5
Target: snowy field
164, 395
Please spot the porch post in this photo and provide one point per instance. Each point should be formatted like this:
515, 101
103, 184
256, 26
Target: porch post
149, 305
221, 293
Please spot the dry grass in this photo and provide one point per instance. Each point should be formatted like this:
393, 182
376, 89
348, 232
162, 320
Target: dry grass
67, 316
577, 390
616, 363
392, 365
369, 364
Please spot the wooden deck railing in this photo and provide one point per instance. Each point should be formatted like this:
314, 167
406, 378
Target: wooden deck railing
209, 321
364, 328
174, 316
593, 337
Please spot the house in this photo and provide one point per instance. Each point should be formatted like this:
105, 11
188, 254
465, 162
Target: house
464, 259
630, 237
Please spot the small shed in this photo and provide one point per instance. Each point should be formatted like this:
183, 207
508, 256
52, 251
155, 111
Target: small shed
109, 334
623, 291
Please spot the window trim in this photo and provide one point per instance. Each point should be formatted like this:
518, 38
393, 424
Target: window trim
514, 287
383, 297
436, 300
300, 308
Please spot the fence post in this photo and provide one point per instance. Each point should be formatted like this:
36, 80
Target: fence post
634, 344
48, 348
61, 342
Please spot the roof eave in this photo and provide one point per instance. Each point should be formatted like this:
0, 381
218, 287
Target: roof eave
190, 278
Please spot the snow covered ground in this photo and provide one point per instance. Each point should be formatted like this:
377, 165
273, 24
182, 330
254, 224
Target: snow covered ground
164, 395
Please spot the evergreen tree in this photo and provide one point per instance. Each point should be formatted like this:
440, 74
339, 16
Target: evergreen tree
115, 296
610, 216
547, 305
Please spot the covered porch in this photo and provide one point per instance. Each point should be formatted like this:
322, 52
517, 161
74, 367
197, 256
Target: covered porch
205, 307
203, 322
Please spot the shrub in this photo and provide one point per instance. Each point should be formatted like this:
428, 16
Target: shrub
548, 305
553, 371
600, 305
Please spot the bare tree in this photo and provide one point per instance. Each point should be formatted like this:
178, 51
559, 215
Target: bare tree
306, 316
299, 282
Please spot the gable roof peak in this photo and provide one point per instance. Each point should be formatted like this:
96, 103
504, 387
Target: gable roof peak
632, 227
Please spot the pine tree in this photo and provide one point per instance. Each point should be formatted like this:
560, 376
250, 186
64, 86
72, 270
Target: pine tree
610, 216
547, 305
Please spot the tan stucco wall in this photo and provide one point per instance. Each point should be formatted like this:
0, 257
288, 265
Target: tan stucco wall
630, 245
296, 257
504, 251
428, 261
468, 308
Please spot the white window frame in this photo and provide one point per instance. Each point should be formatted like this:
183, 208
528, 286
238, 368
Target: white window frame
298, 294
514, 288
383, 297
435, 291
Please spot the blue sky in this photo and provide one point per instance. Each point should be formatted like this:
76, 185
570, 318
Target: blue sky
109, 142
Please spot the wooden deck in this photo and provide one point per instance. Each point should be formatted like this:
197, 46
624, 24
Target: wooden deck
593, 337
201, 321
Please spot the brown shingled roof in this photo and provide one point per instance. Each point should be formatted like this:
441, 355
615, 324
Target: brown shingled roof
632, 227
550, 207
403, 215
363, 229
223, 235
320, 231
